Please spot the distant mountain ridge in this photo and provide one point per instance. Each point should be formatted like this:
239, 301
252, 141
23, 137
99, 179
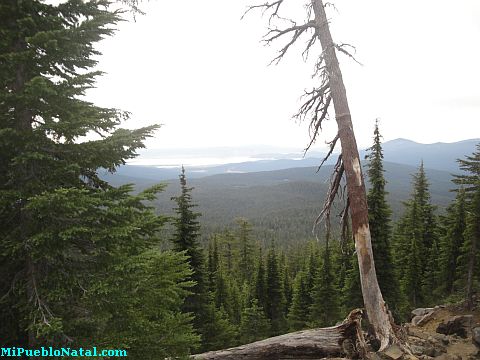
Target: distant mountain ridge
438, 156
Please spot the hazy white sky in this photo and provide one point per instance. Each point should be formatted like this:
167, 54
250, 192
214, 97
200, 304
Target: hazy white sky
199, 70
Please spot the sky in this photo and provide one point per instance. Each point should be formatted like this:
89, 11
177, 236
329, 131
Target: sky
203, 73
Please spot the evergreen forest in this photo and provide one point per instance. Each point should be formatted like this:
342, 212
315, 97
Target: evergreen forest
86, 263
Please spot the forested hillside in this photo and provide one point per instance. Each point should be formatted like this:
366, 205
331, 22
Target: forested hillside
283, 204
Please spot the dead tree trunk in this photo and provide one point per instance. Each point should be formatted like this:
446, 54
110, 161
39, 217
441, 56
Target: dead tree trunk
375, 307
338, 340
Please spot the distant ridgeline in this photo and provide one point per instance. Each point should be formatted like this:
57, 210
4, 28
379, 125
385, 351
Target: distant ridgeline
281, 198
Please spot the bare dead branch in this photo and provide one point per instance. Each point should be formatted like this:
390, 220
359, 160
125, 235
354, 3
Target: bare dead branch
344, 225
274, 6
332, 144
343, 49
335, 181
297, 30
317, 120
310, 43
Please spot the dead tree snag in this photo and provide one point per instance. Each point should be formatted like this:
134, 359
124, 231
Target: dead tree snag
316, 109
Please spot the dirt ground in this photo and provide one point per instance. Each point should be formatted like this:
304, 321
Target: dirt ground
452, 347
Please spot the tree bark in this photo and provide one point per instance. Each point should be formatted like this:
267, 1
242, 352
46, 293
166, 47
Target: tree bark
306, 344
375, 306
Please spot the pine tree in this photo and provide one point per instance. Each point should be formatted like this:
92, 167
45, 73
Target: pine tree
416, 244
302, 296
245, 263
217, 331
275, 300
186, 239
65, 232
379, 214
452, 241
325, 310
471, 182
260, 290
254, 326
349, 279
212, 264
298, 315
287, 289
352, 291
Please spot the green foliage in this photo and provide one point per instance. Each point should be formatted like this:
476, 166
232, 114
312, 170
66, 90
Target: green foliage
469, 257
260, 285
149, 324
454, 226
186, 239
416, 244
379, 214
76, 254
275, 298
245, 262
352, 291
325, 309
299, 313
254, 326
217, 331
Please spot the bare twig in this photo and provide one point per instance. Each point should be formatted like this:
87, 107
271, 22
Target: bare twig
297, 30
332, 144
343, 49
335, 181
345, 225
274, 6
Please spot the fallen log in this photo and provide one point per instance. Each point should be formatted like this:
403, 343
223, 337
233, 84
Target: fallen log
345, 339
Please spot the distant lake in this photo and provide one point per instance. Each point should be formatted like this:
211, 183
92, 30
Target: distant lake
167, 162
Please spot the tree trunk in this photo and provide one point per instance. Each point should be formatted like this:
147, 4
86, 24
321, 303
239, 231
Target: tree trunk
375, 306
306, 344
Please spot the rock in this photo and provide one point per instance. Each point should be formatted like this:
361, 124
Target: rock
409, 357
422, 311
444, 357
448, 357
441, 338
418, 349
476, 335
422, 316
393, 352
460, 325
416, 319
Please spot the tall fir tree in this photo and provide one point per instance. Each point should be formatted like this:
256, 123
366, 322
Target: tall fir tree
470, 180
212, 263
379, 215
64, 231
298, 315
186, 240
260, 285
275, 300
452, 241
254, 325
416, 245
245, 262
325, 309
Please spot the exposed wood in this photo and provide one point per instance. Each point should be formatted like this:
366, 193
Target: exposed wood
375, 306
306, 344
